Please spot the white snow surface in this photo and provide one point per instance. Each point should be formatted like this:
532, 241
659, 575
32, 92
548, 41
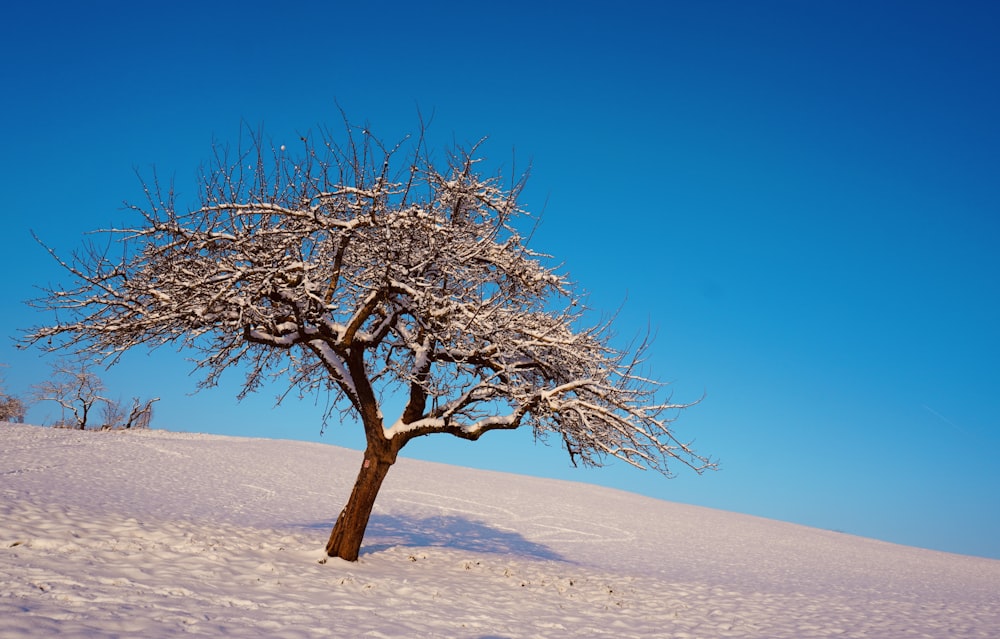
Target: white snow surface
157, 534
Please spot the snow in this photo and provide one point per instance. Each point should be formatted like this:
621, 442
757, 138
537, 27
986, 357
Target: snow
158, 534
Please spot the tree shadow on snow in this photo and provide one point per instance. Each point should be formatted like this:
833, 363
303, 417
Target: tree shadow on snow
387, 531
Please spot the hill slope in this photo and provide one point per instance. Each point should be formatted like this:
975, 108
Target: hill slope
155, 534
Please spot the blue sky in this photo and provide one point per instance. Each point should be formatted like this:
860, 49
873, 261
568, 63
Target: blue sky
800, 198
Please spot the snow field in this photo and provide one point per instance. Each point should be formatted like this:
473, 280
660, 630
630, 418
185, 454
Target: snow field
158, 534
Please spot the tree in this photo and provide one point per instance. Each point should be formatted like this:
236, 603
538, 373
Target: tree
76, 388
139, 415
369, 271
112, 414
12, 409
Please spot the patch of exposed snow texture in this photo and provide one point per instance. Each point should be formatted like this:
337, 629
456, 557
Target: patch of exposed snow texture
154, 534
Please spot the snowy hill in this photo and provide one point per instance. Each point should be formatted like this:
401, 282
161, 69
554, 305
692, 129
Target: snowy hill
156, 534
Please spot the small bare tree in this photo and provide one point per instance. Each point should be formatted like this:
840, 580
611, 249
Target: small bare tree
76, 388
138, 416
112, 415
351, 272
12, 409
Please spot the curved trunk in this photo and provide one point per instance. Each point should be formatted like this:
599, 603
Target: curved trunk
345, 539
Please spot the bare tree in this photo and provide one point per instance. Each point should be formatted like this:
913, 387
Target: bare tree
367, 270
139, 415
12, 409
76, 388
112, 415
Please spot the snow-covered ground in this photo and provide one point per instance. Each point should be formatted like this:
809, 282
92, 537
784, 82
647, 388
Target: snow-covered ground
156, 534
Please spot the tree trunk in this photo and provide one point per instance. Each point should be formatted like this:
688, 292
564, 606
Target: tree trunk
345, 539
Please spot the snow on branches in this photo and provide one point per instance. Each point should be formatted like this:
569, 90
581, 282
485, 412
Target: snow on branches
345, 268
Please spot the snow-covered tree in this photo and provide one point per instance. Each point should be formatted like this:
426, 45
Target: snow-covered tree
76, 388
369, 271
115, 417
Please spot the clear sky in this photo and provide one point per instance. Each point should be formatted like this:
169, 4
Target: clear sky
802, 199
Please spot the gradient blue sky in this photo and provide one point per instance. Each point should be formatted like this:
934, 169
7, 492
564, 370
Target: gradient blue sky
801, 198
